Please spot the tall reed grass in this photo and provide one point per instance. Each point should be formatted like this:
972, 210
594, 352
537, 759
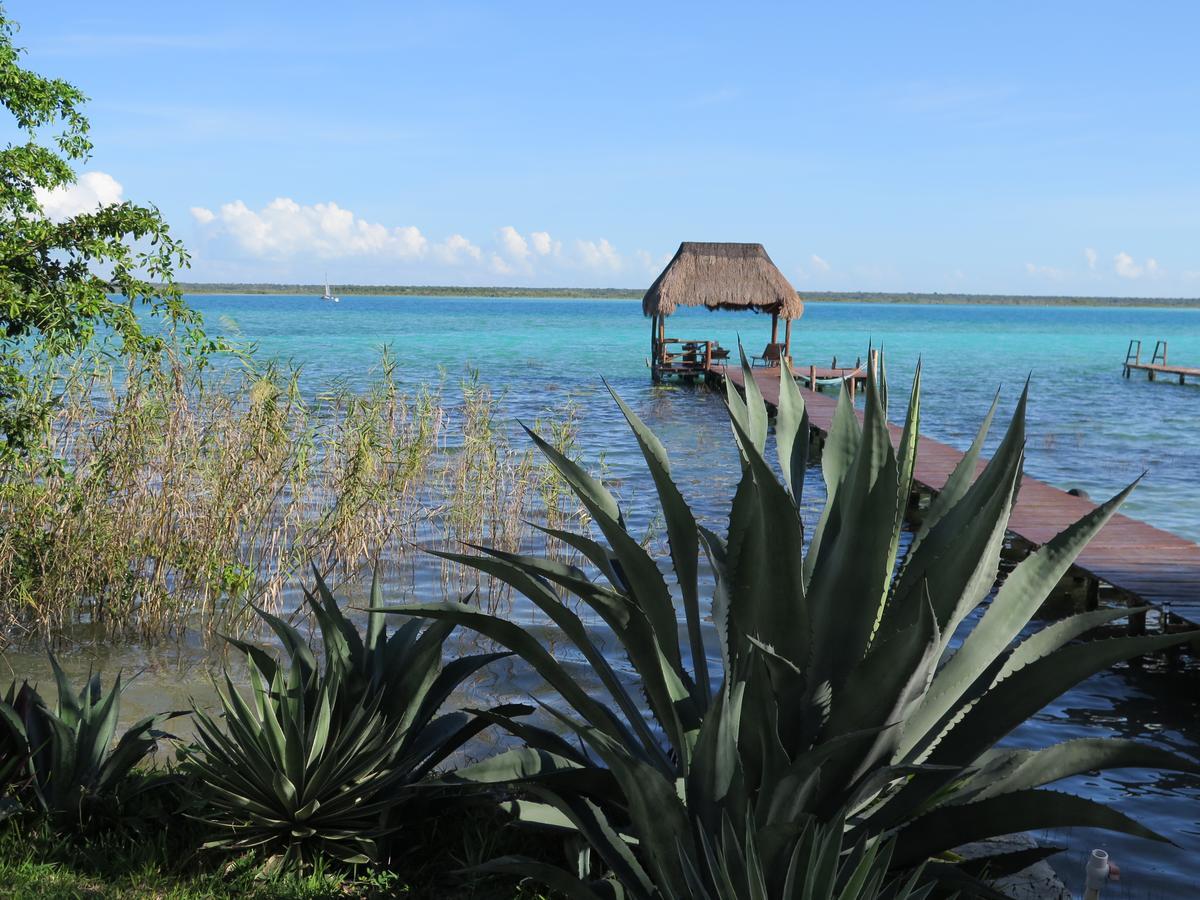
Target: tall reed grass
173, 498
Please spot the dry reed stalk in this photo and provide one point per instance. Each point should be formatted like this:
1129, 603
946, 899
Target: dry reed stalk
183, 496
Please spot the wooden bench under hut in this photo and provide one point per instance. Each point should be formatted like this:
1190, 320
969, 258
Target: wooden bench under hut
717, 276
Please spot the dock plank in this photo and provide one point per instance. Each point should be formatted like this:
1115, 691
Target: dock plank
1148, 563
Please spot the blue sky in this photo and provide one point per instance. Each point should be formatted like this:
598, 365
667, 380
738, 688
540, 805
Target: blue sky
976, 147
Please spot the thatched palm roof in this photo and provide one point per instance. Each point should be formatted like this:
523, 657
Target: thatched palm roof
722, 276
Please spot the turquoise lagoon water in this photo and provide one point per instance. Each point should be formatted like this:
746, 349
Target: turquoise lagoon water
1088, 428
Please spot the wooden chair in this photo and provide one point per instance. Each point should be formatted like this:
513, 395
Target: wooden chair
770, 357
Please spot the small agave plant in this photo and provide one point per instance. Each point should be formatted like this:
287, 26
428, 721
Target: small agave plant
63, 760
320, 759
839, 691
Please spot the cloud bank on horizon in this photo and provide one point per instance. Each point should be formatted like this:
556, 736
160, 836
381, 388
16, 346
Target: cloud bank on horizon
284, 238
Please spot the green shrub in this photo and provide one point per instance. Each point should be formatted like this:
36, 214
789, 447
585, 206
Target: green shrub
839, 687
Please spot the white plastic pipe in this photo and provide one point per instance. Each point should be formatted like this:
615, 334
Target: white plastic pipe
1097, 874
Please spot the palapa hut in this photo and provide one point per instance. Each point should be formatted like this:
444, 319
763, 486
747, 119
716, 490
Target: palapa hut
718, 276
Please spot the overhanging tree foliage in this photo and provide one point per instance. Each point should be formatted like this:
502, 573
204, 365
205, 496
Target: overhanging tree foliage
64, 284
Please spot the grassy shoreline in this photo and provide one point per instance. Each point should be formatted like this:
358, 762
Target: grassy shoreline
931, 299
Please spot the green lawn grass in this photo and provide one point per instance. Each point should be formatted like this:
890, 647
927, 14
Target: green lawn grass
36, 861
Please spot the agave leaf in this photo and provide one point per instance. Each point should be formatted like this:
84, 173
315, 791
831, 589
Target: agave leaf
1059, 634
1015, 604
763, 563
593, 551
433, 744
906, 459
715, 763
716, 551
960, 479
589, 490
343, 645
521, 642
295, 645
837, 456
847, 583
948, 827
681, 534
1027, 690
452, 675
881, 690
594, 826
792, 433
524, 764
376, 621
755, 427
416, 672
260, 657
639, 571
637, 635
1004, 771
961, 555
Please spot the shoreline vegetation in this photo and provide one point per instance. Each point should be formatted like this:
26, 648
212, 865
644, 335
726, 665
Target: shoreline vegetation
560, 293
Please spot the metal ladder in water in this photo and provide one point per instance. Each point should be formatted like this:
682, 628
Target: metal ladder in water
1160, 354
1132, 355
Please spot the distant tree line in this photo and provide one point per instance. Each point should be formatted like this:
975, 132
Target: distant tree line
410, 290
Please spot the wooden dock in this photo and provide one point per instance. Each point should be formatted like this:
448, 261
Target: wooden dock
1150, 566
1157, 365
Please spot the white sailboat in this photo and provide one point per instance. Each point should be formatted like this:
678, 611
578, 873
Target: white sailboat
327, 296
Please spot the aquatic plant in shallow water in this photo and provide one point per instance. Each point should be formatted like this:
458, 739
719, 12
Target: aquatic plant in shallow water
839, 690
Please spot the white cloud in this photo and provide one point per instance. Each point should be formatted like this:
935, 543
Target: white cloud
544, 245
285, 231
1091, 256
598, 255
1050, 272
284, 228
819, 264
515, 246
90, 192
1127, 267
456, 249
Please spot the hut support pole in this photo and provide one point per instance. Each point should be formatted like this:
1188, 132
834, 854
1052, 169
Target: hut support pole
787, 340
654, 341
775, 328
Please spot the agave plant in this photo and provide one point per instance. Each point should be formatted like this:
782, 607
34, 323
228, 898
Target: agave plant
321, 756
845, 658
809, 863
64, 761
15, 708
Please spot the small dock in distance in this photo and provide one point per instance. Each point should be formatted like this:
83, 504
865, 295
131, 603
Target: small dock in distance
1148, 565
1158, 364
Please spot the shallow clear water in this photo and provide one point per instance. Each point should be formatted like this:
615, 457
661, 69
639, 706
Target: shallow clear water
1088, 428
